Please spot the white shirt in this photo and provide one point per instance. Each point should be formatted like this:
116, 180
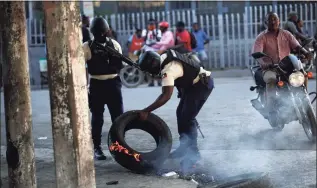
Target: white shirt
150, 38
87, 55
174, 70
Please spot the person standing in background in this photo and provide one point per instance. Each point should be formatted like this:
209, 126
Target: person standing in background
202, 39
183, 37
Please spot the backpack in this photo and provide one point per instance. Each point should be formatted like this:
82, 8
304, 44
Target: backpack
193, 41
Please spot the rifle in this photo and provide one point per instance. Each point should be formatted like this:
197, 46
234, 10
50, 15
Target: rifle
114, 52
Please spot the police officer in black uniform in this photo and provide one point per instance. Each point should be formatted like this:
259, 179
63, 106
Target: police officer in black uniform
194, 84
105, 84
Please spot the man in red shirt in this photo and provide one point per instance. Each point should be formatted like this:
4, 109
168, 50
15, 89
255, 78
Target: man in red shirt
183, 37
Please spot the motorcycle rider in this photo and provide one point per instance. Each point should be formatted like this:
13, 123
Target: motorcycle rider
167, 39
195, 85
151, 36
105, 84
276, 43
291, 26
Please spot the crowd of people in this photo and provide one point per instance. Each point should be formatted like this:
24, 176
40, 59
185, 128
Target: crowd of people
162, 38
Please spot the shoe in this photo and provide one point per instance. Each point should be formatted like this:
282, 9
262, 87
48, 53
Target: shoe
99, 155
151, 85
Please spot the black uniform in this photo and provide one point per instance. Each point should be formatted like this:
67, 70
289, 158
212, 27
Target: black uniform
103, 92
192, 98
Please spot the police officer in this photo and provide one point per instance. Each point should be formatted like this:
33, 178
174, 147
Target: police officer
105, 84
194, 84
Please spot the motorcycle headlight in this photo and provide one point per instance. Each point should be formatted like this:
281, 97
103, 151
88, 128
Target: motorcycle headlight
296, 79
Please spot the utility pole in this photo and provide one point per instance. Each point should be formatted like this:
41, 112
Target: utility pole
74, 163
16, 81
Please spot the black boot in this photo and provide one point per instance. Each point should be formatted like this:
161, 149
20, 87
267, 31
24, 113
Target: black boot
99, 155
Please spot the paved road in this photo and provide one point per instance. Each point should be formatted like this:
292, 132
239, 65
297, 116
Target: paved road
237, 139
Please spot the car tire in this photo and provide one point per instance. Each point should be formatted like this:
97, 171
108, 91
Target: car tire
149, 161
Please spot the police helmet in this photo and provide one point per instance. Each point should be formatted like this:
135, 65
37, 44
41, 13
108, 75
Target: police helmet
99, 27
150, 62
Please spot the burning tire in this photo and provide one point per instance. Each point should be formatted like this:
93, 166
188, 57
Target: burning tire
258, 180
129, 158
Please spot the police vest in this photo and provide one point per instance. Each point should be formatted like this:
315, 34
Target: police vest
191, 68
102, 63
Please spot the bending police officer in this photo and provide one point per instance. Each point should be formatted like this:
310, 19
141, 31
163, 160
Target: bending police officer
105, 84
195, 85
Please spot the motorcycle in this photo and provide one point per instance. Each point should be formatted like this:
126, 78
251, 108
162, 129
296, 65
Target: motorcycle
291, 101
132, 77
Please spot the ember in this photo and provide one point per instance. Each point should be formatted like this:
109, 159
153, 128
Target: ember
117, 147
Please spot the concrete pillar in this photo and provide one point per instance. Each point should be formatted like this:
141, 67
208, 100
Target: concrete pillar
18, 113
74, 163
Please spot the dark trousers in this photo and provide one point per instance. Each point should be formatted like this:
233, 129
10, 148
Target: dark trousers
192, 100
103, 92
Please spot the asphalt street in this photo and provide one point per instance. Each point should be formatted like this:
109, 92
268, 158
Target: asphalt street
237, 138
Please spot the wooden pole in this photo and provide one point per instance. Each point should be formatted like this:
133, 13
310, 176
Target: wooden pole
18, 114
69, 97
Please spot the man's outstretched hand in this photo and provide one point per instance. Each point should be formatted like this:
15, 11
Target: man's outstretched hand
143, 115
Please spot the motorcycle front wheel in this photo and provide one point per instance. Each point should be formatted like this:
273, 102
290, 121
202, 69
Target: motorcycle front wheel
131, 77
309, 121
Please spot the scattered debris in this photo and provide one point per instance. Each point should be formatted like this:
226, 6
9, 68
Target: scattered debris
112, 183
171, 174
192, 180
42, 138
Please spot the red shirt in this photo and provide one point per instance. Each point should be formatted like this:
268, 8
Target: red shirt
184, 37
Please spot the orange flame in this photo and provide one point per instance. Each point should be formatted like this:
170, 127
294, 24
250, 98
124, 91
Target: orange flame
117, 147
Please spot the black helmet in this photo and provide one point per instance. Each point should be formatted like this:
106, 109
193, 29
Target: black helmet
150, 62
99, 27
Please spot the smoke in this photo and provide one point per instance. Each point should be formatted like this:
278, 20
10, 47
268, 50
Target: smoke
245, 142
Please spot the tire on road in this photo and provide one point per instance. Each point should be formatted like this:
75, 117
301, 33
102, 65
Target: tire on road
251, 180
155, 126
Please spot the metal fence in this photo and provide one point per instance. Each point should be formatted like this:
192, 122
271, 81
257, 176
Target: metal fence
232, 35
